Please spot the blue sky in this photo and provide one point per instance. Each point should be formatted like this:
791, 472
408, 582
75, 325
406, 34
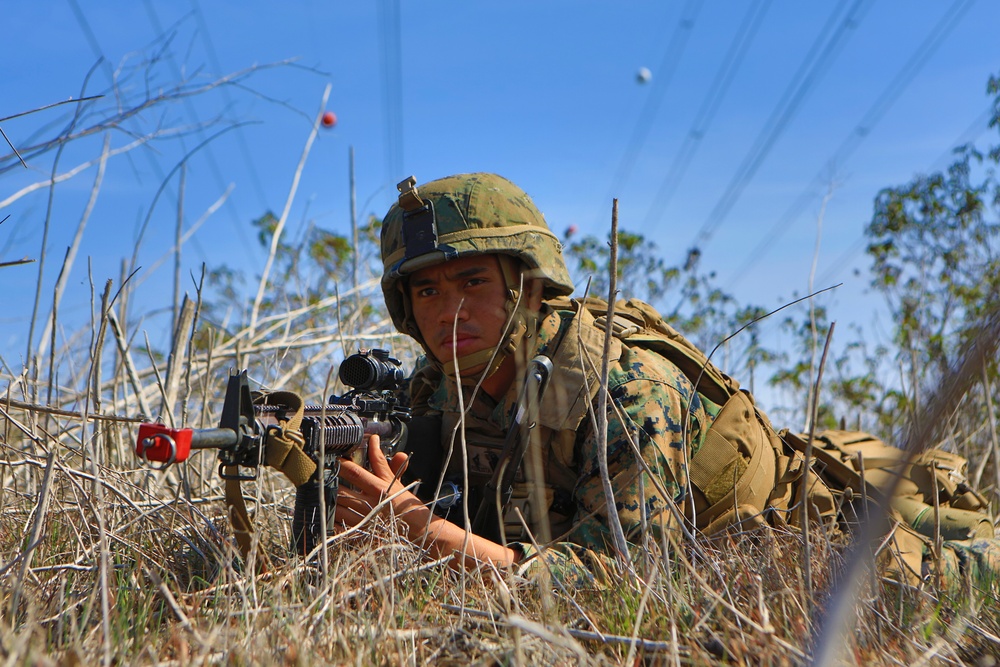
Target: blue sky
853, 95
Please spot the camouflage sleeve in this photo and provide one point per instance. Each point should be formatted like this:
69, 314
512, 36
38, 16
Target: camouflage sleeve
650, 400
570, 564
978, 559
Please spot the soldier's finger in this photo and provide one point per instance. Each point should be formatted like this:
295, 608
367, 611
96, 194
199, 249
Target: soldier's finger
352, 505
376, 459
347, 516
358, 477
398, 463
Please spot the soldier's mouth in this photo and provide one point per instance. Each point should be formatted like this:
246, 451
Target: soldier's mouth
459, 342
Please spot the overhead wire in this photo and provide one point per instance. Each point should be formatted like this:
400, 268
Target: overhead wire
661, 81
95, 46
250, 163
859, 133
821, 54
745, 35
975, 129
390, 49
235, 218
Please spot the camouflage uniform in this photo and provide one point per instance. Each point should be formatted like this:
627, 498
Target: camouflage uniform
658, 438
652, 410
651, 404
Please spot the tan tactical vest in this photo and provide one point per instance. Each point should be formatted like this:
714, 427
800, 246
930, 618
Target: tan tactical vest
733, 473
744, 472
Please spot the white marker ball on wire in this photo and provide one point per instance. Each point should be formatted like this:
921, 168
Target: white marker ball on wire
643, 75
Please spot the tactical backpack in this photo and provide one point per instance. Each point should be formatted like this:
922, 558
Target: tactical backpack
931, 503
746, 473
736, 469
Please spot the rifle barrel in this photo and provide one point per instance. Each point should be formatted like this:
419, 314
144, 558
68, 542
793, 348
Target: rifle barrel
217, 438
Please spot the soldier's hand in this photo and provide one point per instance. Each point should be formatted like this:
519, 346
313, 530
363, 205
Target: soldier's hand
368, 488
438, 535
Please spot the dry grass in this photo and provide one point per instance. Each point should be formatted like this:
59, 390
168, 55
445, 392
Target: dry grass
109, 562
103, 560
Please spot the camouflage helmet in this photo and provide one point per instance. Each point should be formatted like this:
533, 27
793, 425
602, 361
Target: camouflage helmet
460, 216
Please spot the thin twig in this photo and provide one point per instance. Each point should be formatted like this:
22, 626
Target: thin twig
47, 409
7, 139
614, 522
804, 500
41, 510
982, 346
50, 106
276, 236
75, 246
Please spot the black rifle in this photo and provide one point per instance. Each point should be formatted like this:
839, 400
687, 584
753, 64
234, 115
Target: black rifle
329, 432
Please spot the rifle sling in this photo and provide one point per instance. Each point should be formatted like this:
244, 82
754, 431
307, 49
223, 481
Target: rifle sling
282, 451
238, 517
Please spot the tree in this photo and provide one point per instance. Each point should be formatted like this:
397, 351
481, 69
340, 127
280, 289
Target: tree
641, 274
934, 246
309, 300
702, 311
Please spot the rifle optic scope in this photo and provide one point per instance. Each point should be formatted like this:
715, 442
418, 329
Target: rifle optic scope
373, 370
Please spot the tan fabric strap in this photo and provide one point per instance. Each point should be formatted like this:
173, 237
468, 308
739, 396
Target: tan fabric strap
735, 467
283, 446
282, 450
238, 517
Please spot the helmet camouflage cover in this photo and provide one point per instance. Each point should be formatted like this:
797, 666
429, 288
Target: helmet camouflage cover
461, 216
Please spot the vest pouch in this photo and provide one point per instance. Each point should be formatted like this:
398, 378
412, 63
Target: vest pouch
903, 556
520, 499
734, 469
940, 470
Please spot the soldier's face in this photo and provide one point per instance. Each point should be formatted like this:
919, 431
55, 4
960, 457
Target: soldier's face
459, 306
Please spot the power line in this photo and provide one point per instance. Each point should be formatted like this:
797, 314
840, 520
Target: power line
974, 130
95, 46
250, 163
813, 67
661, 81
709, 106
860, 132
390, 38
234, 215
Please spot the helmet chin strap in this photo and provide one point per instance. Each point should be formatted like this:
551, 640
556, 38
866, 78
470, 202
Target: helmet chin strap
520, 320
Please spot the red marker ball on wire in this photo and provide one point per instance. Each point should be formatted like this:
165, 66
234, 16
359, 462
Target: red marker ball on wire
329, 119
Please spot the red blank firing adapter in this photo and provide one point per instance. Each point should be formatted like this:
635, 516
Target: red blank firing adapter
157, 442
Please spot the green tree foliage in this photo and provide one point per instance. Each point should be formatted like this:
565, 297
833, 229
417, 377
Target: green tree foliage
641, 273
851, 396
321, 296
686, 296
934, 246
933, 243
